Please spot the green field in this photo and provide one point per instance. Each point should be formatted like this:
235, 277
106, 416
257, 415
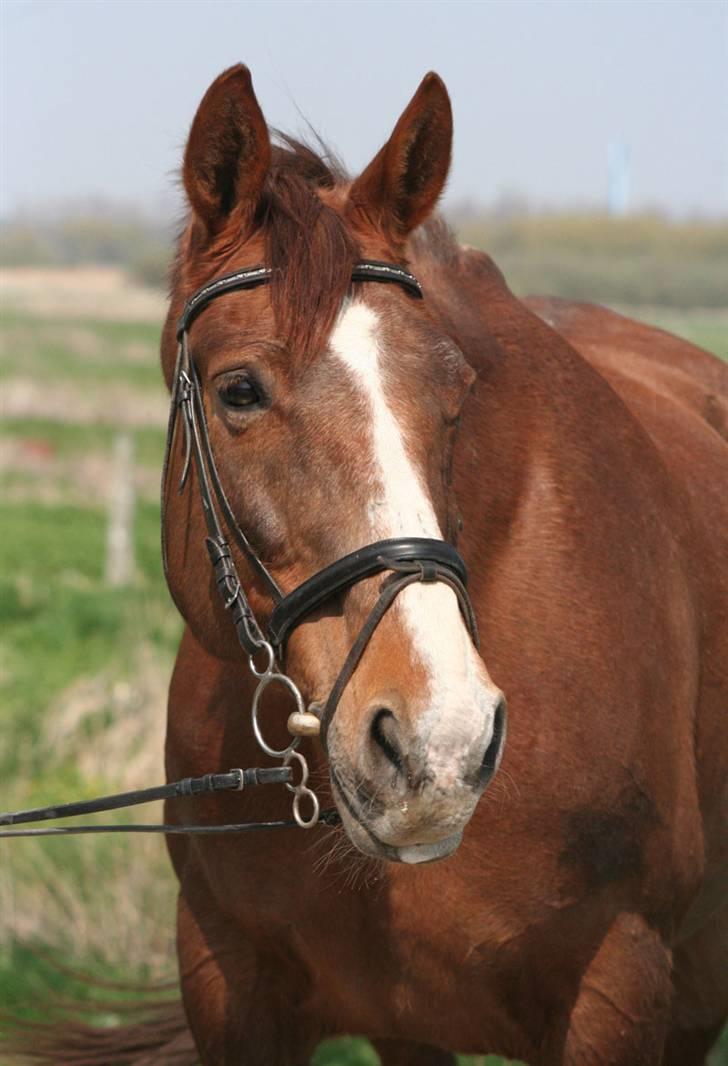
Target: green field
84, 667
636, 261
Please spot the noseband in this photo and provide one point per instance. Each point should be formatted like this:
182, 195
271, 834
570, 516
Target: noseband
406, 559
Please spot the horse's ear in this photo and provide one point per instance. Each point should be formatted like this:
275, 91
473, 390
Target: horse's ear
402, 184
228, 151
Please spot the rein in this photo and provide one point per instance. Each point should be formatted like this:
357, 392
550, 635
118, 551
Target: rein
235, 780
405, 559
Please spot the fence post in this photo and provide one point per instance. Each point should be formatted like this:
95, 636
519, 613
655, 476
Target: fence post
120, 529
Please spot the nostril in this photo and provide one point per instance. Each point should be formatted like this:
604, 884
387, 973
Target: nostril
385, 735
492, 753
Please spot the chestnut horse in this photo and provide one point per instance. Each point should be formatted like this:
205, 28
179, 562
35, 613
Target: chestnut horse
579, 461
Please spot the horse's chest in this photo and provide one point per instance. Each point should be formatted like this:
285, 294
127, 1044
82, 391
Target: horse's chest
418, 966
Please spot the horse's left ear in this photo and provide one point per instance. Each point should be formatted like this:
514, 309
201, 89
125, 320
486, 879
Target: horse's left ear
402, 184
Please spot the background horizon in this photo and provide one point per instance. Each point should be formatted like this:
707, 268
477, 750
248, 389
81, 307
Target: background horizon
98, 97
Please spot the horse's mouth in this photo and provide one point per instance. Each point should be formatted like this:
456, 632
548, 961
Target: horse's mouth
417, 854
365, 839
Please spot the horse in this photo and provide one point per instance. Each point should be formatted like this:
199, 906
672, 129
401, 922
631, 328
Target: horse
574, 914
531, 850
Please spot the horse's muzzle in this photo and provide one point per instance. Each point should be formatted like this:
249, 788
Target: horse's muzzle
408, 799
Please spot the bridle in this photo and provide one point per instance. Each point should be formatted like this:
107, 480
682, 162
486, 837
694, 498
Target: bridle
406, 559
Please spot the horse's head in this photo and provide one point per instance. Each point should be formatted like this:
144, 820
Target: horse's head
332, 410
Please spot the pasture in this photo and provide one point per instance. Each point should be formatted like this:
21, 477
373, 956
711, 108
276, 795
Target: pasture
84, 666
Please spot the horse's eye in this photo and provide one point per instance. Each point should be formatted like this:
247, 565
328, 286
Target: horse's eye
240, 392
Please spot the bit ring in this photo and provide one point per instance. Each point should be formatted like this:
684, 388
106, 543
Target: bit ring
264, 682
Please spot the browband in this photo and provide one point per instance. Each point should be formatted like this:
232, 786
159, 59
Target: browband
366, 270
374, 270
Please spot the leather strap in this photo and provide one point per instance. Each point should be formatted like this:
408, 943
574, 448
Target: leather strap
200, 424
347, 571
329, 817
239, 279
404, 574
375, 270
235, 780
366, 270
187, 399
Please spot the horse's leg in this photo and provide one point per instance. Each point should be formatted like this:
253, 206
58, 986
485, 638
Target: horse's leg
621, 1013
405, 1053
700, 977
235, 1009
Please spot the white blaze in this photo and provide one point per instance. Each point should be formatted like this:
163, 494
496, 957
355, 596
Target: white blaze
400, 506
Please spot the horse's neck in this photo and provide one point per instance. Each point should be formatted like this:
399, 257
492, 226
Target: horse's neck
538, 412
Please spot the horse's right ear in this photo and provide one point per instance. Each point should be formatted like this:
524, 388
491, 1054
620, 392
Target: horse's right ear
402, 184
228, 151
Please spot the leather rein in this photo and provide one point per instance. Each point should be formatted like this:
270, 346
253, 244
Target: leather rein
405, 559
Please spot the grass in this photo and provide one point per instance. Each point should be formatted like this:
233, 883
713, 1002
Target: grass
707, 329
69, 440
635, 261
83, 672
91, 353
82, 690
83, 667
57, 612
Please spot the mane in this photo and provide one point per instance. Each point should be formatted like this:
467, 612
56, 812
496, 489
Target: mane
307, 243
435, 240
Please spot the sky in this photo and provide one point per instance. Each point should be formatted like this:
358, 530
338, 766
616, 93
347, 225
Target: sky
98, 96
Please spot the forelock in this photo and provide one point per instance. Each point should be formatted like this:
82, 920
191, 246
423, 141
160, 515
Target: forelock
308, 244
